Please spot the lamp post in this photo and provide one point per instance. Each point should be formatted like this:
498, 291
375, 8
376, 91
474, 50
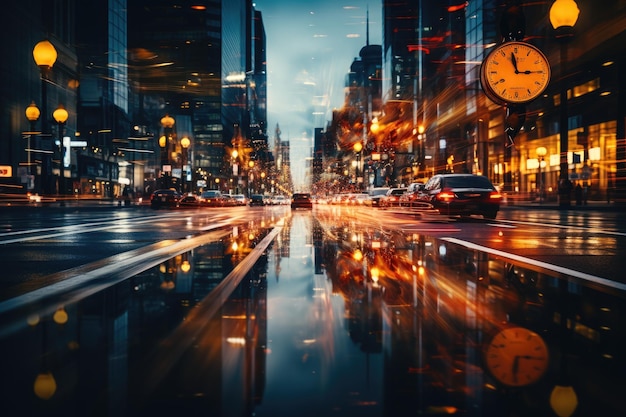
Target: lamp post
235, 170
60, 116
357, 149
422, 147
184, 143
250, 177
45, 55
563, 17
32, 114
167, 122
541, 153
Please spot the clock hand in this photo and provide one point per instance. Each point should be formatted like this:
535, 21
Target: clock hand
530, 72
514, 61
515, 368
529, 357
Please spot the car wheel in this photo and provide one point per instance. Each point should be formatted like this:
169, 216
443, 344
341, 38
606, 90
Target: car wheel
491, 215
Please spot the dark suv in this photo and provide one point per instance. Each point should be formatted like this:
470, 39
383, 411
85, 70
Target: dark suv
256, 200
462, 195
164, 198
301, 200
212, 198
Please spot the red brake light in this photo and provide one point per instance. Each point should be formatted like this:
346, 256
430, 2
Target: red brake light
445, 196
495, 195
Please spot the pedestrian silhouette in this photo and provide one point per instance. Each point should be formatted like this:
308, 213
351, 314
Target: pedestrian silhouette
578, 193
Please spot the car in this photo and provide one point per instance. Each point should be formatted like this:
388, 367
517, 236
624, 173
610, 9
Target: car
164, 198
301, 200
376, 194
462, 195
411, 196
257, 200
280, 200
189, 200
415, 186
240, 200
212, 198
361, 199
392, 197
228, 200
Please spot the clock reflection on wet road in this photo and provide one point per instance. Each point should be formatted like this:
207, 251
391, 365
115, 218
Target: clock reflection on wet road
517, 356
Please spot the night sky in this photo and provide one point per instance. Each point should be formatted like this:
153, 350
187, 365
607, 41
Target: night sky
310, 47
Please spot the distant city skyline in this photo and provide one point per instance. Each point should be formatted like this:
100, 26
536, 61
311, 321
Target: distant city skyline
310, 47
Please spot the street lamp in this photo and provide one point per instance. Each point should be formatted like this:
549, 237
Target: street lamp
185, 143
167, 122
563, 17
60, 116
541, 153
45, 55
263, 175
32, 114
422, 147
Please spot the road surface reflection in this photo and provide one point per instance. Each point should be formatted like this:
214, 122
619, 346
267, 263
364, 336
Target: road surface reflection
316, 315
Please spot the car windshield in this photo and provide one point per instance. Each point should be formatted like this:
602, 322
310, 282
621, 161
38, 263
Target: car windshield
468, 182
380, 191
207, 194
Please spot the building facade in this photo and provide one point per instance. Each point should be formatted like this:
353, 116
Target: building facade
118, 77
33, 154
436, 117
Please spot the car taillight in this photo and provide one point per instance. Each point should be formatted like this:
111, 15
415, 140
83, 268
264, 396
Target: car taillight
446, 195
494, 195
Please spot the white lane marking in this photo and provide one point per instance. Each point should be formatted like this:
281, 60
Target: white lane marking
426, 230
48, 233
561, 226
545, 265
509, 226
119, 266
112, 221
67, 230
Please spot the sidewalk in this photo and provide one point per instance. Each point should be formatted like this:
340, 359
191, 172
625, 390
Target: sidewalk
554, 205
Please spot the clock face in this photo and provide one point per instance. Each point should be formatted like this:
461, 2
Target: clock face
517, 357
515, 72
